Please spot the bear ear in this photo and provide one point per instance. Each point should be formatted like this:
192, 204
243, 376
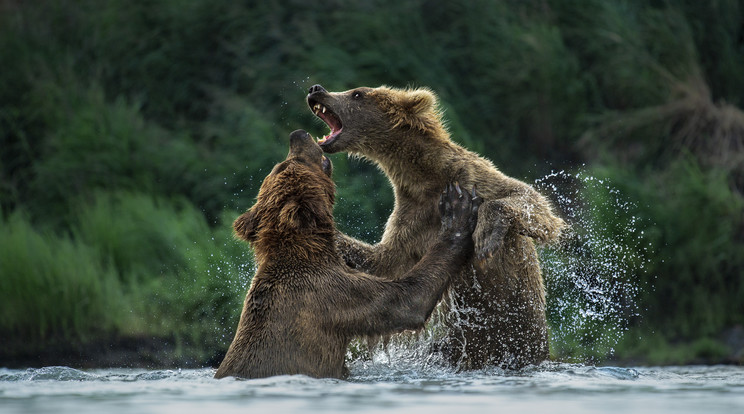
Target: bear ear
246, 226
416, 108
418, 101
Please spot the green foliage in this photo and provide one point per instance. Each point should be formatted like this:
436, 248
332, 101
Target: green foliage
717, 32
53, 286
656, 349
182, 278
696, 233
134, 266
137, 235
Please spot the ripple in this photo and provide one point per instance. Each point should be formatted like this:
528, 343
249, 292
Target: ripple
374, 386
50, 374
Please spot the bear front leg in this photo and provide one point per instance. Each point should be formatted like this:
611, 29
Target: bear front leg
494, 220
356, 253
525, 212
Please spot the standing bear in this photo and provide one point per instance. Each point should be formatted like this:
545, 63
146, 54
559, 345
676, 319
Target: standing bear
305, 304
497, 303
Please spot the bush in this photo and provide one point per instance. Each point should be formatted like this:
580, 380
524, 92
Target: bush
54, 287
135, 266
700, 253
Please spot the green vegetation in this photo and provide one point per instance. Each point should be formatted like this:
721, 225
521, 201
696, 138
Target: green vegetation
132, 133
130, 266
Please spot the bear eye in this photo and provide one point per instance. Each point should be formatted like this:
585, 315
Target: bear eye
357, 95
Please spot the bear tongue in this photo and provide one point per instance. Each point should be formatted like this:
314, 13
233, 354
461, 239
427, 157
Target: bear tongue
331, 119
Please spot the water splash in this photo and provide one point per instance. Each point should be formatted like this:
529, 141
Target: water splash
591, 279
592, 275
52, 373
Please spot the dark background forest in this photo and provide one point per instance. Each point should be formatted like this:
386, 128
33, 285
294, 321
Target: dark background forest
133, 132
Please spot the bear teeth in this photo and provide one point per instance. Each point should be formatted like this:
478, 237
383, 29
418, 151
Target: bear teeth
318, 108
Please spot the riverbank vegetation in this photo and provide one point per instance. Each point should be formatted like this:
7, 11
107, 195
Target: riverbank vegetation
133, 132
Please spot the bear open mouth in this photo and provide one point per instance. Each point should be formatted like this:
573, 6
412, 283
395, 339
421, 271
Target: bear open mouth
330, 118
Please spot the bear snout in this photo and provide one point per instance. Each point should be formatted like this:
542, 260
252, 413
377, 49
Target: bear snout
299, 137
316, 88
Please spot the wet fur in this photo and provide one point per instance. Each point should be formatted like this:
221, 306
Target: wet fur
305, 304
498, 315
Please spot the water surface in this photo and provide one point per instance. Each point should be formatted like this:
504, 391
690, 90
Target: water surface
376, 387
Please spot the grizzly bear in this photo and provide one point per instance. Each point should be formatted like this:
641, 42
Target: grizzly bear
305, 304
496, 305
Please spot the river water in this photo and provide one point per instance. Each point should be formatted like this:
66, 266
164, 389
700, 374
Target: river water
377, 387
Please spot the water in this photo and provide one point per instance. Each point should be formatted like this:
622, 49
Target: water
374, 387
595, 275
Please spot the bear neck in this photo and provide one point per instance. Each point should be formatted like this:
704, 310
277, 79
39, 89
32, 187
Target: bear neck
416, 163
317, 247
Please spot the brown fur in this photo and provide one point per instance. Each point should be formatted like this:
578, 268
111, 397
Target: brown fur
305, 304
499, 313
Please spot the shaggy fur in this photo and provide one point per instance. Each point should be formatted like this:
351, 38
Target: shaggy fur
305, 304
498, 317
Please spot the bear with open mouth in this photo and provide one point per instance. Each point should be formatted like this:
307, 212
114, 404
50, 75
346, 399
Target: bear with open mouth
305, 304
497, 303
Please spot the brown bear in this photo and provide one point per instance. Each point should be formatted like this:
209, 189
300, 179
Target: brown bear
497, 304
305, 304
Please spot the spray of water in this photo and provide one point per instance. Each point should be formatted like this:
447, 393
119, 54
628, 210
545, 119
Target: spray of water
591, 279
592, 275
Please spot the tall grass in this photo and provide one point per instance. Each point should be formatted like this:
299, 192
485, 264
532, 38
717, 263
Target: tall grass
697, 234
186, 279
138, 236
54, 287
134, 265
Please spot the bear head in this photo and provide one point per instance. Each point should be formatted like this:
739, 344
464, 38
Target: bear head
361, 118
293, 213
